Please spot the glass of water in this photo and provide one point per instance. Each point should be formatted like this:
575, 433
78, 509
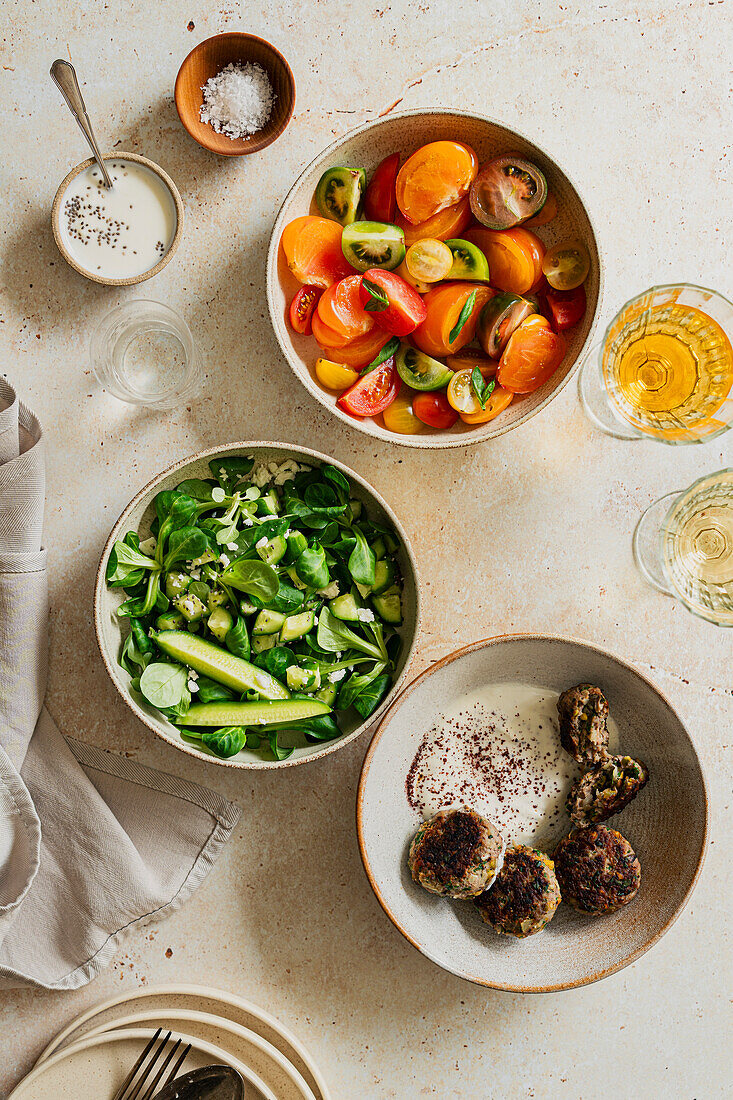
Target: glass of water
143, 352
683, 546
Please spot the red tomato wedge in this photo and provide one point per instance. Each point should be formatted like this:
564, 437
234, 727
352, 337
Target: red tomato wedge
355, 353
374, 392
433, 409
301, 309
443, 226
565, 307
380, 202
404, 309
533, 354
340, 308
313, 251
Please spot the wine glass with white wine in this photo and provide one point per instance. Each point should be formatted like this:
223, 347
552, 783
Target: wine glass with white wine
683, 545
664, 369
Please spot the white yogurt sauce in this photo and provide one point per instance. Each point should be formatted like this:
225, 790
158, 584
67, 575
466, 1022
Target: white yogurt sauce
498, 751
119, 233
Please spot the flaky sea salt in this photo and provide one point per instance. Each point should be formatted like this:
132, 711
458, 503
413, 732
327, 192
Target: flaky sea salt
238, 100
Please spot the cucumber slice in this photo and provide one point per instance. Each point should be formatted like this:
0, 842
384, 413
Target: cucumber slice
191, 607
269, 504
295, 626
170, 620
273, 550
260, 643
384, 576
268, 622
421, 371
247, 608
327, 692
355, 507
303, 679
469, 262
200, 589
363, 589
373, 244
379, 548
176, 584
388, 606
220, 622
219, 665
256, 713
216, 598
291, 572
344, 608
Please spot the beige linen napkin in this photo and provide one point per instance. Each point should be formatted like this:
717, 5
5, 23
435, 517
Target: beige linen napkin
91, 844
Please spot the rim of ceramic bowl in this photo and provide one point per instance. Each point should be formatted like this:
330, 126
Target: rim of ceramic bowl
165, 259
324, 749
455, 655
253, 147
364, 426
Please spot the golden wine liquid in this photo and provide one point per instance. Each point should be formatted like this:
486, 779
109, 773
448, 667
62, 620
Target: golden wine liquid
668, 369
697, 547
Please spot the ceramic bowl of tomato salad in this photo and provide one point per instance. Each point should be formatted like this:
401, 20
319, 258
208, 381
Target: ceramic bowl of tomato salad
488, 334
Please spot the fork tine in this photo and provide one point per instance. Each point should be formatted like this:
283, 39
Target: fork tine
173, 1071
147, 1070
151, 1084
120, 1094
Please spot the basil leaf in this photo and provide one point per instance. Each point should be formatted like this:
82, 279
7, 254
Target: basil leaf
323, 728
184, 544
463, 316
356, 684
253, 577
382, 356
280, 752
276, 661
322, 496
230, 470
225, 742
483, 392
367, 701
196, 489
311, 566
362, 560
378, 300
123, 559
334, 475
211, 692
164, 685
237, 640
334, 636
287, 600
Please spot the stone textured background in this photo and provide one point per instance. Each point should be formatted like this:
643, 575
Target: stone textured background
531, 532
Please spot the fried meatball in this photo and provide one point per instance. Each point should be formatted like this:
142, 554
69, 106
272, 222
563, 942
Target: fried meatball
525, 895
597, 870
583, 711
456, 853
606, 789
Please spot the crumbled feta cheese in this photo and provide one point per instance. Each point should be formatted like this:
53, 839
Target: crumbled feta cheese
260, 476
147, 546
330, 591
223, 474
247, 520
218, 494
192, 685
193, 674
232, 546
339, 674
261, 543
194, 574
224, 560
364, 615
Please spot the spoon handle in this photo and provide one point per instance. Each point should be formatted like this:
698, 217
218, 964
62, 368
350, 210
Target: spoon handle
63, 75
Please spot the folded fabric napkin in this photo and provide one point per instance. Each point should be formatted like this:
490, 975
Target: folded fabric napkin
91, 844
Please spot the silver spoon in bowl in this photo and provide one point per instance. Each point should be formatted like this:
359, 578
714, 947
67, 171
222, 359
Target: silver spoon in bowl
210, 1083
63, 75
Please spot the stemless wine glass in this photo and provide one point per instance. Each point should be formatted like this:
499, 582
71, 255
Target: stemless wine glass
664, 369
143, 352
683, 545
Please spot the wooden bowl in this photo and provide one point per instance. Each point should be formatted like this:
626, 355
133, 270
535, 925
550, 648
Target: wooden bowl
138, 515
404, 133
209, 58
666, 825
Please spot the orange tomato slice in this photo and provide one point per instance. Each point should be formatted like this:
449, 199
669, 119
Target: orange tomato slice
534, 247
340, 308
444, 305
511, 258
533, 354
435, 176
498, 401
326, 336
335, 376
546, 214
444, 225
313, 251
357, 353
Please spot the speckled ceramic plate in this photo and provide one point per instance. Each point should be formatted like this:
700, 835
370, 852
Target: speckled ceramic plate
138, 515
97, 1065
162, 1002
403, 132
666, 824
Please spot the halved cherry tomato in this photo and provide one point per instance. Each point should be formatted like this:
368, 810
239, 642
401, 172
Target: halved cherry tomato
313, 251
444, 226
511, 257
421, 288
498, 401
335, 376
302, 307
404, 310
433, 409
566, 307
356, 353
326, 336
380, 204
461, 395
340, 308
436, 176
533, 354
443, 307
401, 417
546, 214
374, 392
472, 357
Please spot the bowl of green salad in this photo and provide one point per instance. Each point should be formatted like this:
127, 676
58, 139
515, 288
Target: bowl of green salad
257, 605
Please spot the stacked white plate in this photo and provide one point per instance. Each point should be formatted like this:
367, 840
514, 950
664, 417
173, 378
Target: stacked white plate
91, 1057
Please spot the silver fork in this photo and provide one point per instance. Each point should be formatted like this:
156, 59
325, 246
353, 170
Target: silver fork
149, 1076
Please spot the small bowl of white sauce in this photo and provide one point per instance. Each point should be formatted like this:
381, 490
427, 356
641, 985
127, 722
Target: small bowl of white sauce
123, 235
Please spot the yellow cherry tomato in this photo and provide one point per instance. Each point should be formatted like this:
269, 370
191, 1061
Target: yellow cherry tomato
566, 265
461, 394
496, 404
335, 376
429, 260
421, 288
399, 416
